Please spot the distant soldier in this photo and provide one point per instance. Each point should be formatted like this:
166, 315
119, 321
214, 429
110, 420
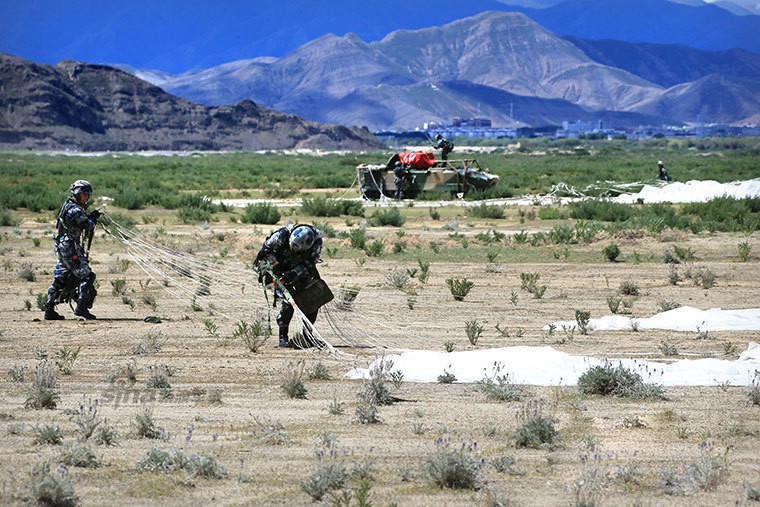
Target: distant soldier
444, 145
662, 173
74, 226
292, 254
402, 180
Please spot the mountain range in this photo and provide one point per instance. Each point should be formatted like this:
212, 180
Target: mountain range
77, 106
175, 37
492, 64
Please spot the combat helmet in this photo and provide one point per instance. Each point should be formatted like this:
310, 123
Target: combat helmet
80, 187
302, 238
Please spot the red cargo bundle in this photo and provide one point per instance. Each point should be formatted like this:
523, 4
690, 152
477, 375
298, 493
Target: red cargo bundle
417, 159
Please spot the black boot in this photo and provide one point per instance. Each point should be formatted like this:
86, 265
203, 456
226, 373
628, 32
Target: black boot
284, 342
82, 311
51, 314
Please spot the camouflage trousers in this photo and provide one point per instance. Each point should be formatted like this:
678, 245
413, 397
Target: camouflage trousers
72, 268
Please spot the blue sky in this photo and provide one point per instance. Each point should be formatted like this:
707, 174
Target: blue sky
176, 36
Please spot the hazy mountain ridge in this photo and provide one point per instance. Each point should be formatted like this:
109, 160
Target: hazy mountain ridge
93, 107
704, 26
400, 81
668, 64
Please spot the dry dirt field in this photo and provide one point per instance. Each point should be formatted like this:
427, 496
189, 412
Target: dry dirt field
701, 446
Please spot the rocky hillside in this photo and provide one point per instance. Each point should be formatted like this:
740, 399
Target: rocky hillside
406, 78
77, 106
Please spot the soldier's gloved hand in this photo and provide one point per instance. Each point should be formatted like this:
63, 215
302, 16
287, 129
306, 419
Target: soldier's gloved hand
94, 215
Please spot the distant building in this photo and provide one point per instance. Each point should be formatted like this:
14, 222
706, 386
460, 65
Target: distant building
471, 123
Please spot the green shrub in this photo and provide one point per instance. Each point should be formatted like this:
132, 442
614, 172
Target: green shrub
744, 249
391, 217
261, 213
195, 208
473, 329
146, 426
358, 238
65, 359
582, 318
374, 249
562, 234
367, 413
375, 389
601, 210
7, 220
323, 207
611, 252
486, 211
549, 214
459, 287
727, 213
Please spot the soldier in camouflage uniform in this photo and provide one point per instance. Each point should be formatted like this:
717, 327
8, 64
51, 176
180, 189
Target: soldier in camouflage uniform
402, 180
293, 253
444, 145
73, 266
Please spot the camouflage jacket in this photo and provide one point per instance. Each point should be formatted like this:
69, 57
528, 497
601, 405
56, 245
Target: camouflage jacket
276, 251
72, 222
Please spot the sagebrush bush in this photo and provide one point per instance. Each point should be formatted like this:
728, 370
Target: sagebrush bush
375, 389
66, 357
473, 329
535, 433
499, 387
106, 435
254, 335
609, 380
327, 477
629, 288
159, 460
87, 419
49, 434
293, 385
78, 455
454, 468
754, 389
43, 393
145, 425
367, 413
53, 489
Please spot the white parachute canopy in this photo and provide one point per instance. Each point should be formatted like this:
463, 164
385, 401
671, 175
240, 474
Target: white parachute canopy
692, 191
546, 366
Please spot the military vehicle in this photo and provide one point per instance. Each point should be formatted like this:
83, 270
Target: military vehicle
407, 174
